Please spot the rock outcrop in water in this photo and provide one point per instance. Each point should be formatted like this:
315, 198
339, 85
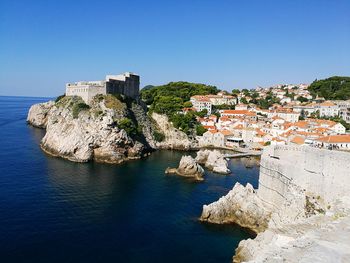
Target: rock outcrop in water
213, 160
81, 133
240, 206
188, 167
302, 213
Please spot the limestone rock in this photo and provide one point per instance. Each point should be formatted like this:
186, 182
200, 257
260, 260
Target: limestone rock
322, 238
88, 134
188, 167
213, 160
240, 206
174, 138
38, 114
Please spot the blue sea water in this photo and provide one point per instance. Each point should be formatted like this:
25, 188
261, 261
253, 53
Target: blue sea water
53, 210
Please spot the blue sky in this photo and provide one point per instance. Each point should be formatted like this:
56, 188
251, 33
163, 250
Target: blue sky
230, 44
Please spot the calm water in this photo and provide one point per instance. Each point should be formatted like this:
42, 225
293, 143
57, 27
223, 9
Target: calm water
52, 210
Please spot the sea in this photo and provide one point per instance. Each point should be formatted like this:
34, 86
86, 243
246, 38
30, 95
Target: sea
54, 210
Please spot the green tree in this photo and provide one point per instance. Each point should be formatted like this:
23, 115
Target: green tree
302, 99
200, 130
170, 98
202, 113
187, 104
158, 136
59, 98
333, 88
235, 91
78, 107
127, 125
244, 101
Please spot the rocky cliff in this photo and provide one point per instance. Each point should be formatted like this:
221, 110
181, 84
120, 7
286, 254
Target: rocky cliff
173, 138
298, 210
108, 130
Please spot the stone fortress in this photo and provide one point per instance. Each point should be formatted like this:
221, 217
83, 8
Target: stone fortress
127, 84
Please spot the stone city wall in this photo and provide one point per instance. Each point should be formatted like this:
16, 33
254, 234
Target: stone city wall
321, 172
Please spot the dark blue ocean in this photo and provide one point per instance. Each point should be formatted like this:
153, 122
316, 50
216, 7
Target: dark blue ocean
53, 210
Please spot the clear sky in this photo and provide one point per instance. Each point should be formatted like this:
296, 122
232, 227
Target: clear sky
230, 44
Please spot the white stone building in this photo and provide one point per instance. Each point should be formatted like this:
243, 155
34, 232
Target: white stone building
345, 114
222, 99
327, 109
287, 115
341, 142
201, 102
127, 84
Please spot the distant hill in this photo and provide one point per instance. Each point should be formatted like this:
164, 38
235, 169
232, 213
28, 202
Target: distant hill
333, 88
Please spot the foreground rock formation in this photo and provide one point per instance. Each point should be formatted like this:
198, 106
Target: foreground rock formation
188, 167
82, 133
240, 206
213, 160
301, 212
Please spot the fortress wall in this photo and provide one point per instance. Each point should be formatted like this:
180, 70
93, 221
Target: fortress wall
93, 91
81, 90
86, 92
322, 172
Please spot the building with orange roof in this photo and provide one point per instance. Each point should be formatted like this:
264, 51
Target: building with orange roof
201, 103
241, 106
222, 99
327, 109
218, 138
341, 142
239, 113
286, 114
299, 140
209, 127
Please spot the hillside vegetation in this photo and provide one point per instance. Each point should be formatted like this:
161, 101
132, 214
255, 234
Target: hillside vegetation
169, 99
333, 88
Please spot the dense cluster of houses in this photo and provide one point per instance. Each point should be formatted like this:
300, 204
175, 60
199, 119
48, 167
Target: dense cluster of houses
288, 122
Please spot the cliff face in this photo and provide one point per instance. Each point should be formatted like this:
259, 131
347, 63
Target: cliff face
80, 133
38, 114
303, 193
174, 138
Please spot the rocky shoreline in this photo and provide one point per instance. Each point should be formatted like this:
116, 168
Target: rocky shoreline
92, 132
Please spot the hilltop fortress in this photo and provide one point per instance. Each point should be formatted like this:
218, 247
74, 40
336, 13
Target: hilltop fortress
127, 84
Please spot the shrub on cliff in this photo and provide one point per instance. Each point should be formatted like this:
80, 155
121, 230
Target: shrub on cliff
200, 129
112, 102
59, 98
78, 107
158, 136
128, 125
